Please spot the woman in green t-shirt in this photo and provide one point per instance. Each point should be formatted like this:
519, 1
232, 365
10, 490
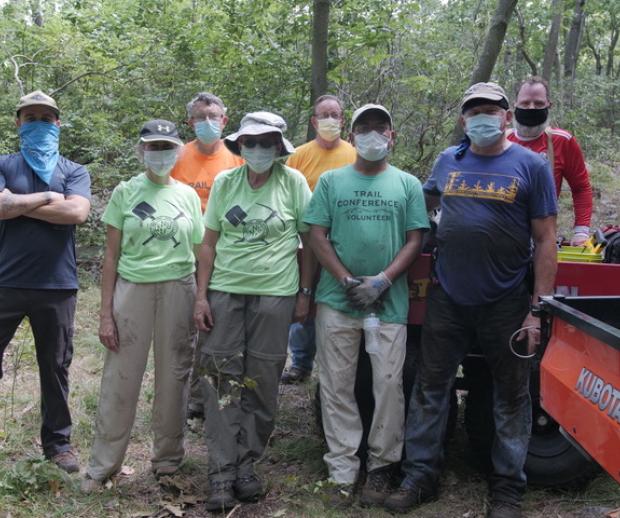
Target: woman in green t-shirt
147, 295
249, 289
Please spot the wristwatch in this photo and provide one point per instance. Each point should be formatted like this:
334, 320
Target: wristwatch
306, 291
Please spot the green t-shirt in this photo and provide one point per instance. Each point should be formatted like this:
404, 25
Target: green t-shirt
256, 253
368, 217
160, 226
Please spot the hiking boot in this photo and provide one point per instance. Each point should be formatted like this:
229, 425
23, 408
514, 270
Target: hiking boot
338, 496
406, 497
295, 375
248, 488
377, 488
221, 495
90, 485
504, 510
67, 461
165, 471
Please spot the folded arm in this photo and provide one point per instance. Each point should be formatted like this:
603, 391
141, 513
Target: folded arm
15, 205
71, 210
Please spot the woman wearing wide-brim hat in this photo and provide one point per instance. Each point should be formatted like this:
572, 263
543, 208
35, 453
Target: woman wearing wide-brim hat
249, 290
148, 288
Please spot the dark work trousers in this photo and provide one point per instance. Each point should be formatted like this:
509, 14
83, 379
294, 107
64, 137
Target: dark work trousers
448, 333
51, 315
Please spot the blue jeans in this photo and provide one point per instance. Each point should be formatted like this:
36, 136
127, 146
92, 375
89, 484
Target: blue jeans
447, 335
301, 343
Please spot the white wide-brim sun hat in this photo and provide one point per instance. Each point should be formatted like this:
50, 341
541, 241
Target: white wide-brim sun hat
260, 123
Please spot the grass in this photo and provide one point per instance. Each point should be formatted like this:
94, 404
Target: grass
293, 466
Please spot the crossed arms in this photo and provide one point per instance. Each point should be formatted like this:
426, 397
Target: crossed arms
48, 206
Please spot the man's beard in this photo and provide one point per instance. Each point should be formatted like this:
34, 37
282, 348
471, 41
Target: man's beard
529, 132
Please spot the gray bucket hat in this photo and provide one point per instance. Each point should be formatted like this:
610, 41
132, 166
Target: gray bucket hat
259, 123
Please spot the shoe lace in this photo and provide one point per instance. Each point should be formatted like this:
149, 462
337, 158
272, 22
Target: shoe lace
378, 481
248, 478
222, 485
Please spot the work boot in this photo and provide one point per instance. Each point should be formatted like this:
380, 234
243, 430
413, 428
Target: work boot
408, 496
295, 375
90, 485
221, 495
377, 488
248, 487
67, 461
504, 510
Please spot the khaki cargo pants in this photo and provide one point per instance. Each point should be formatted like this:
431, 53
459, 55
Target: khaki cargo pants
338, 342
160, 313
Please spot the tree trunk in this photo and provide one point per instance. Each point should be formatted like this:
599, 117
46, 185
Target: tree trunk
571, 50
552, 41
598, 64
320, 25
615, 32
522, 44
491, 49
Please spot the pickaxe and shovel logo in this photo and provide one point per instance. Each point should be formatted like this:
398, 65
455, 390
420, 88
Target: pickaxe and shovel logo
162, 228
254, 229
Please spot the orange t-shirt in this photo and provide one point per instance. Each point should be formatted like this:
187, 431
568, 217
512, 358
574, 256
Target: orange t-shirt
198, 170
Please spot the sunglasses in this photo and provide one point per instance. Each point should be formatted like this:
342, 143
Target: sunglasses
252, 142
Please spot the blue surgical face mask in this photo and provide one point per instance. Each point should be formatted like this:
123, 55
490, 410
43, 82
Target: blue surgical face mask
258, 158
39, 147
372, 146
161, 162
208, 131
484, 130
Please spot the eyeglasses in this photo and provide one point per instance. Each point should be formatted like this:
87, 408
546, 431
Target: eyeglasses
361, 129
332, 115
252, 142
212, 118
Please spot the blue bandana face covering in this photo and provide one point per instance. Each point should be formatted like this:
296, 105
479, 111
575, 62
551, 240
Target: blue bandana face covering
39, 147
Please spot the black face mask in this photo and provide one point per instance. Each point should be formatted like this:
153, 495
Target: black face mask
531, 117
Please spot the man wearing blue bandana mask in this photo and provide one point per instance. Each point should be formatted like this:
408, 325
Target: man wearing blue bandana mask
495, 198
42, 197
198, 163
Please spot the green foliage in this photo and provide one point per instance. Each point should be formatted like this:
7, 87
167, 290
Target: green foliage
26, 478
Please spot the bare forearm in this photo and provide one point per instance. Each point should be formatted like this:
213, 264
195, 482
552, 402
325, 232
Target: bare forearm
15, 205
545, 268
326, 255
108, 281
405, 257
308, 263
206, 258
67, 212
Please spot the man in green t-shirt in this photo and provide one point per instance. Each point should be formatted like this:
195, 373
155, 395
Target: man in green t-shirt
367, 223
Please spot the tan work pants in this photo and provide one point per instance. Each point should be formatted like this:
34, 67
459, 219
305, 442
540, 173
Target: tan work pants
160, 313
338, 342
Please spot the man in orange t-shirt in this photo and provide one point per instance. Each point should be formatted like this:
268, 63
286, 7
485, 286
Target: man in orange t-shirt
201, 159
198, 164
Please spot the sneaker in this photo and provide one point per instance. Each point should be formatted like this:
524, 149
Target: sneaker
338, 496
377, 488
248, 487
221, 495
295, 375
504, 510
90, 485
67, 461
406, 498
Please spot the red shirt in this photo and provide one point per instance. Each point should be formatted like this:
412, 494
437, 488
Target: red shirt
568, 164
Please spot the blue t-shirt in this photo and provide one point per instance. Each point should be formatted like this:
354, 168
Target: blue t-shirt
487, 204
35, 254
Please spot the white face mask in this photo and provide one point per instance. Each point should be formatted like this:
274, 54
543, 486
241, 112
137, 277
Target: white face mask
372, 146
259, 159
328, 129
161, 162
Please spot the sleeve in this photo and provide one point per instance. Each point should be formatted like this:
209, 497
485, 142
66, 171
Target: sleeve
303, 196
292, 161
198, 227
211, 216
578, 179
2, 180
113, 214
417, 217
319, 210
542, 197
78, 183
431, 186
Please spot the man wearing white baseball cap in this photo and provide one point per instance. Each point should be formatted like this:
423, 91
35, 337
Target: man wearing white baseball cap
367, 222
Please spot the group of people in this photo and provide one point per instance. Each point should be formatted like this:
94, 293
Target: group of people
208, 238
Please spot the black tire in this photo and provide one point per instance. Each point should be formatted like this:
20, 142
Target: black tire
551, 460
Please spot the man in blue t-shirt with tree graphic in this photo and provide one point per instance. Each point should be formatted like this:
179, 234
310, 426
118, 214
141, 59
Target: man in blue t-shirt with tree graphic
496, 198
42, 197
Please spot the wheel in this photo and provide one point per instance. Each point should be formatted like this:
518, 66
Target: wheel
551, 459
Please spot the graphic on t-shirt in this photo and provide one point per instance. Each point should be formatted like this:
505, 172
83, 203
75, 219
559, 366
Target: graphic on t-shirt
254, 229
162, 228
368, 206
481, 185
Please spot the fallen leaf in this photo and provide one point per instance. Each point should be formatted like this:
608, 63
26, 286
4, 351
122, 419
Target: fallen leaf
174, 509
279, 514
127, 471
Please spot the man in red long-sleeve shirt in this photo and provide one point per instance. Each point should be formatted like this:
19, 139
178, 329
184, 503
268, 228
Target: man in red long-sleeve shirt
532, 130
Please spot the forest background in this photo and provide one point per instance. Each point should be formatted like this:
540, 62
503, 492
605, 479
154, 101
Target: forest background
113, 65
